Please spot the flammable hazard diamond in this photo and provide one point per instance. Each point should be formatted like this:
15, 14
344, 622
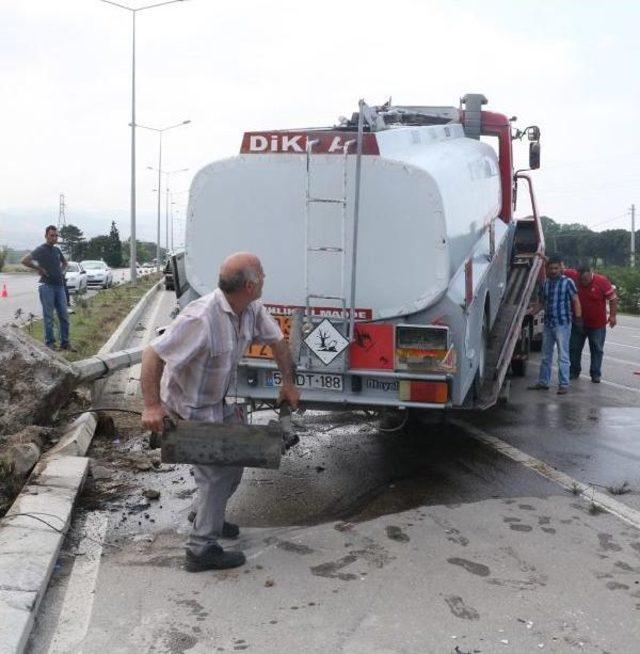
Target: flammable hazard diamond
326, 342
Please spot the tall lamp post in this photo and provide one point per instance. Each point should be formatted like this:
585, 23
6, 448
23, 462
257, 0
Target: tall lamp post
166, 207
173, 205
168, 174
133, 248
159, 131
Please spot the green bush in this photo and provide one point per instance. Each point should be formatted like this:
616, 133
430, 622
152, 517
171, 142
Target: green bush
627, 282
3, 257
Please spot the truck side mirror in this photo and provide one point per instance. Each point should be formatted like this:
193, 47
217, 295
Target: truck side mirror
534, 155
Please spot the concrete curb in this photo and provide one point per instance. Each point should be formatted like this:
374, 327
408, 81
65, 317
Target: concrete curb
122, 334
29, 547
35, 526
75, 441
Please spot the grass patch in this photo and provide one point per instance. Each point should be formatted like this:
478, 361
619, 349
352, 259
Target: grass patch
595, 509
96, 318
621, 489
18, 268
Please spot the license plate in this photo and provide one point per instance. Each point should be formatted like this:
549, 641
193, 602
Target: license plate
310, 380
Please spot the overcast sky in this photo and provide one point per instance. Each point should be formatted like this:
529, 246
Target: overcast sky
65, 69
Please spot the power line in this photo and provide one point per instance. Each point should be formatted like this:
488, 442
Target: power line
610, 220
62, 218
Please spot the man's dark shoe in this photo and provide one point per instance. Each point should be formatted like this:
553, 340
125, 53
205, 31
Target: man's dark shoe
215, 558
563, 390
67, 347
596, 379
229, 530
537, 387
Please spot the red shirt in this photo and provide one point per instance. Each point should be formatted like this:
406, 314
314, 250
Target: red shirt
593, 298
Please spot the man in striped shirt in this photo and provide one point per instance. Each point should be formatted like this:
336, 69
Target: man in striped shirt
558, 295
188, 371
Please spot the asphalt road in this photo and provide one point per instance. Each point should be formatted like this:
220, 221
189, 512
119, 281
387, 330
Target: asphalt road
373, 543
22, 293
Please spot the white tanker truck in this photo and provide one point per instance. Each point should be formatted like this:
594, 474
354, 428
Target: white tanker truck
394, 264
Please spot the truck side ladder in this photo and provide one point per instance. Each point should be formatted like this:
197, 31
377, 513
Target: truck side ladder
334, 249
347, 291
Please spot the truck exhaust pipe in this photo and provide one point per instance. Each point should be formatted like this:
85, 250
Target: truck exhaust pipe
473, 114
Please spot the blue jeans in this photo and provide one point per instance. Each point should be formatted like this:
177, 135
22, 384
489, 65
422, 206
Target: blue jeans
555, 336
53, 297
596, 346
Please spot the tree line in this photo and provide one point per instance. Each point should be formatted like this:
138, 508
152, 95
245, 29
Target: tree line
578, 244
608, 252
108, 247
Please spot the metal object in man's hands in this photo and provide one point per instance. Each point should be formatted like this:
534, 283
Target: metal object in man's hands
216, 443
290, 438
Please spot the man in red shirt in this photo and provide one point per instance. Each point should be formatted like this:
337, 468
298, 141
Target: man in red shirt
594, 291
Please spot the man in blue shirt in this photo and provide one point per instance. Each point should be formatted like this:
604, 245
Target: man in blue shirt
558, 295
49, 261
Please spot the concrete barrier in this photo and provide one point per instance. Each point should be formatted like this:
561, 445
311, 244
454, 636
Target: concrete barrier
120, 337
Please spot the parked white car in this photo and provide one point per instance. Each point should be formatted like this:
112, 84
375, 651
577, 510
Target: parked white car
75, 277
98, 273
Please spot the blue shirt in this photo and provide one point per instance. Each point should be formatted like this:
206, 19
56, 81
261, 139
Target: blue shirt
556, 294
51, 259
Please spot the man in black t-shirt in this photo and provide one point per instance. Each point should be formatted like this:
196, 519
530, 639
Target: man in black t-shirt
49, 261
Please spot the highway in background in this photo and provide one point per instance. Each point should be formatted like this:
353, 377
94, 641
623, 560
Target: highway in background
22, 293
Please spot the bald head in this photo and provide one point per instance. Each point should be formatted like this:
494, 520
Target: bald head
241, 275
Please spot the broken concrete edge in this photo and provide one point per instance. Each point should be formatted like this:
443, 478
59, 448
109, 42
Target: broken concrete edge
31, 534
120, 337
75, 440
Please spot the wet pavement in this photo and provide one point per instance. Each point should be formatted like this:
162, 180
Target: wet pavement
367, 542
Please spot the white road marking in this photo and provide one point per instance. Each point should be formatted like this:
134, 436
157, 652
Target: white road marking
632, 347
77, 606
633, 329
626, 362
586, 491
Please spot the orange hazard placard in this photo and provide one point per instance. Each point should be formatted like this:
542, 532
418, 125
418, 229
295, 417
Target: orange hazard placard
264, 351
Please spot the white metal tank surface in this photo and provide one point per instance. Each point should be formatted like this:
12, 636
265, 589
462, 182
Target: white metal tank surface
424, 203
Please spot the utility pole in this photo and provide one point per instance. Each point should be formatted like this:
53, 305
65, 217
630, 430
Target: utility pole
632, 258
62, 218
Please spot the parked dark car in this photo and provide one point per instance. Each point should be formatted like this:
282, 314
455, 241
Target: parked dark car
168, 276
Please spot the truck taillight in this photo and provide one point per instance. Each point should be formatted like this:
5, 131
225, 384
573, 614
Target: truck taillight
423, 391
421, 348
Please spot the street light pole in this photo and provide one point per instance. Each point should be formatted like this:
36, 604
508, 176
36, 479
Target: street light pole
168, 173
159, 187
159, 130
133, 254
133, 245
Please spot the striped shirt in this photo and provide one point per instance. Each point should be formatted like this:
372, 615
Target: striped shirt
556, 293
201, 350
